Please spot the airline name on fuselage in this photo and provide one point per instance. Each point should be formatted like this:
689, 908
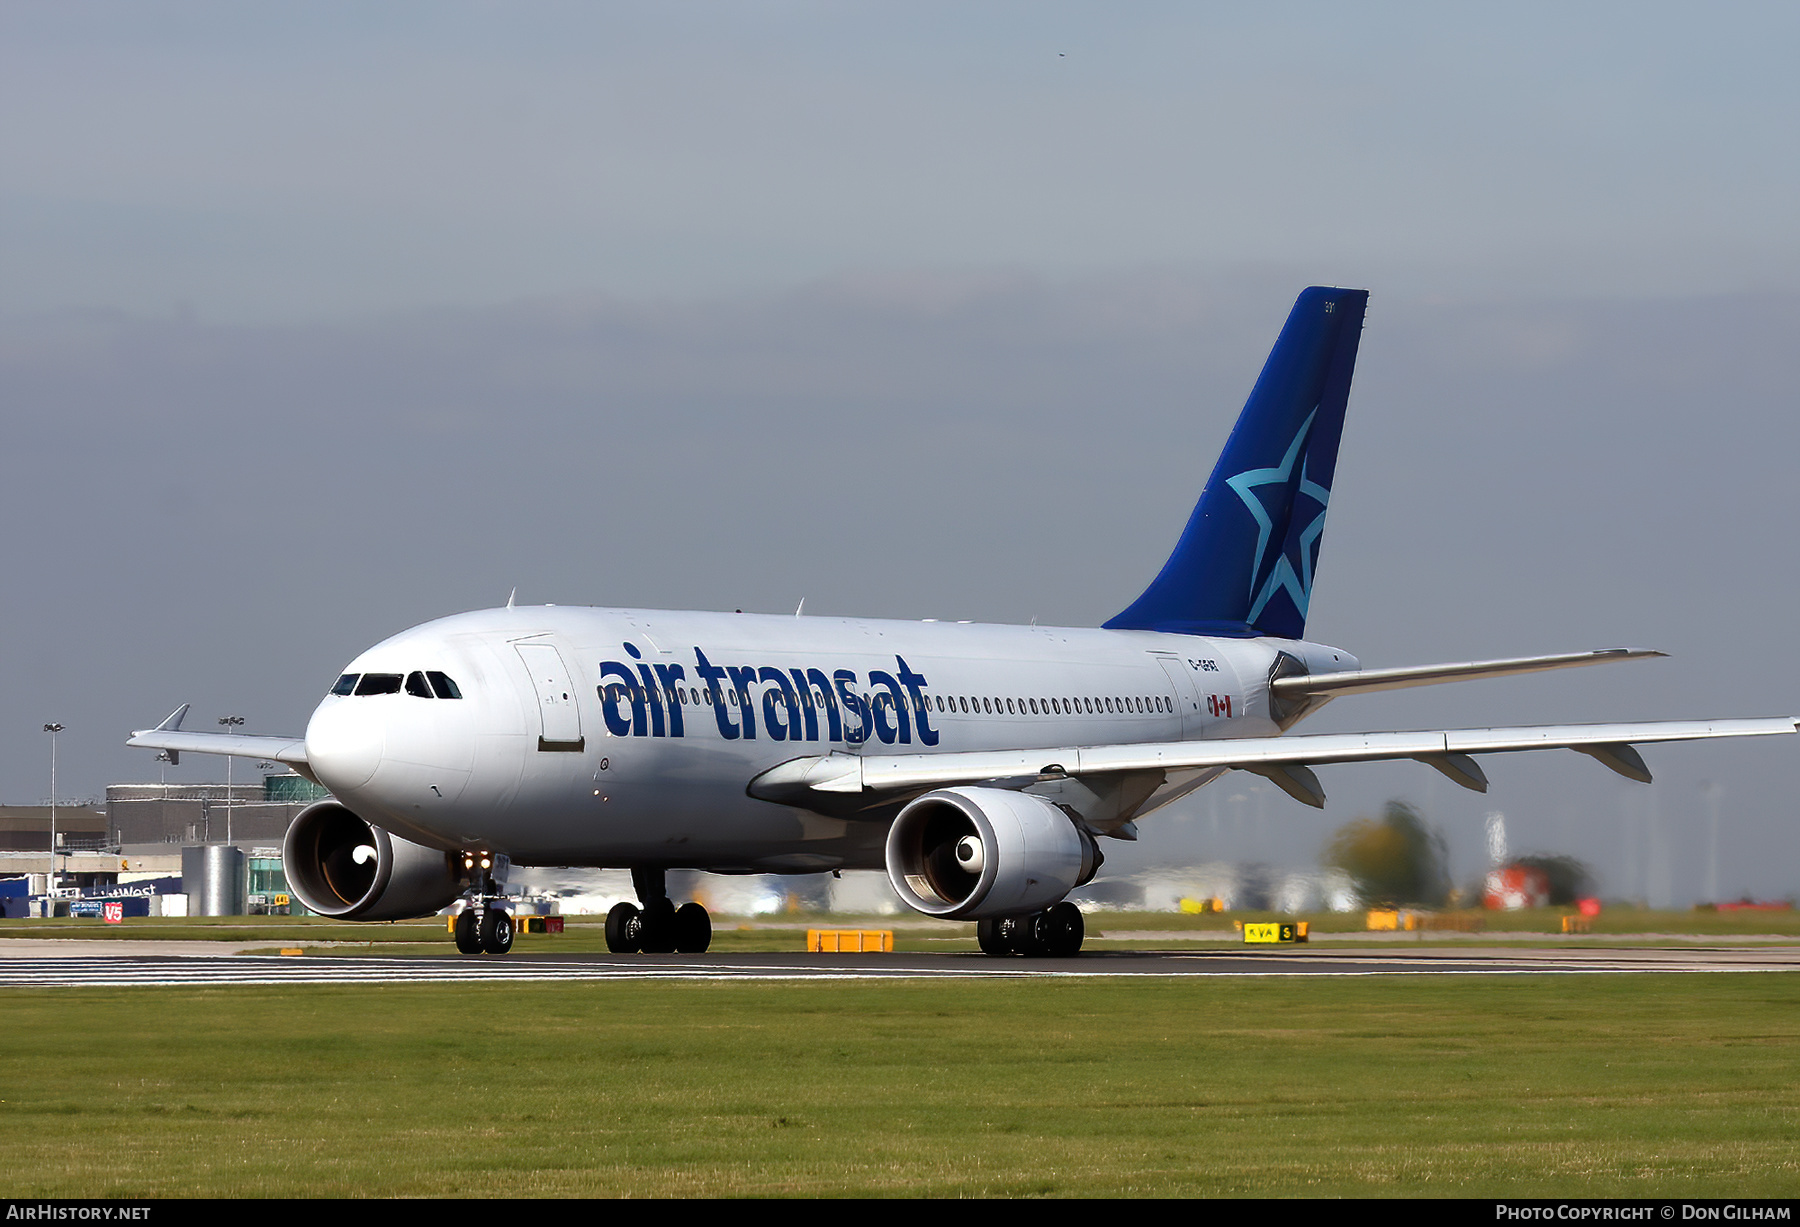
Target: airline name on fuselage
647, 699
640, 698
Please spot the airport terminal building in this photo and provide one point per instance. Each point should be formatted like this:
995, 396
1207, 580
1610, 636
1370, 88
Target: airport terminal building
185, 814
142, 839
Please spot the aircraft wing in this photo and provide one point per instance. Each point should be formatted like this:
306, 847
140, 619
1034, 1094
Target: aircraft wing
1285, 761
168, 736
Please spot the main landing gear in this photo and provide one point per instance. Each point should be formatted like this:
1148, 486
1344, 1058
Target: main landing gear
483, 926
658, 927
1054, 933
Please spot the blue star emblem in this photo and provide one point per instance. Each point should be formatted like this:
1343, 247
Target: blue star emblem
1283, 574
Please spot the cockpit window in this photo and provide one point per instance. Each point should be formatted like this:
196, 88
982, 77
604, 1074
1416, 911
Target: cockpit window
345, 684
379, 683
415, 685
446, 689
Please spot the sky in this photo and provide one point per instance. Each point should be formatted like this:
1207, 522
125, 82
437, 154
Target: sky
318, 321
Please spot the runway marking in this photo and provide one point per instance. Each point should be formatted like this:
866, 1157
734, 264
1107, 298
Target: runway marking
252, 970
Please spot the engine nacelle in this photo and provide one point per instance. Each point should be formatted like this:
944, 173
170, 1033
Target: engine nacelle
344, 867
972, 853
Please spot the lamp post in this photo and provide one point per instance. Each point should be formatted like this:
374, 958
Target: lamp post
229, 723
50, 882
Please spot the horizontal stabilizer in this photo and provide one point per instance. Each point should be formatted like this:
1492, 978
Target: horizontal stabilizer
1365, 681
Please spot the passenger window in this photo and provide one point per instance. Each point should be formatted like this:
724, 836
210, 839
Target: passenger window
378, 683
345, 684
415, 685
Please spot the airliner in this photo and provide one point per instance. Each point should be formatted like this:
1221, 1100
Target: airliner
983, 767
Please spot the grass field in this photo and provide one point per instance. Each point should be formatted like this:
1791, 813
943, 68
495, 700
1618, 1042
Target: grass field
1416, 1085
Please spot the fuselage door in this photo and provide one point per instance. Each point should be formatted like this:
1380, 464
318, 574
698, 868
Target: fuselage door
1187, 696
555, 690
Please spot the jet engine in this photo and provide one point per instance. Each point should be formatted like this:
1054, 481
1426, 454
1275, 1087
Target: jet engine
344, 867
974, 853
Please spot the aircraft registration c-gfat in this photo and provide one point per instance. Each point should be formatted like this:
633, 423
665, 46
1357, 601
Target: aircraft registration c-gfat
980, 766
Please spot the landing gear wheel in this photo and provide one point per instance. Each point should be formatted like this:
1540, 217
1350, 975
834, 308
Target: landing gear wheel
658, 934
624, 929
1030, 935
496, 931
988, 937
692, 928
1061, 930
468, 939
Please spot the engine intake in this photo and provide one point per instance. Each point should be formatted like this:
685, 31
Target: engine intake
344, 867
972, 853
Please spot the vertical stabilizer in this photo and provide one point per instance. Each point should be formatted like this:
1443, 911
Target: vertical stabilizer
1244, 564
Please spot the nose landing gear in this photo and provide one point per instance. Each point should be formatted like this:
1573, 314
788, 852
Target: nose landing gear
483, 926
658, 927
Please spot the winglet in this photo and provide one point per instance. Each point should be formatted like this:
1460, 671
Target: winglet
171, 724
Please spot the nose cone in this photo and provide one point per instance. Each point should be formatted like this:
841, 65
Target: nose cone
345, 741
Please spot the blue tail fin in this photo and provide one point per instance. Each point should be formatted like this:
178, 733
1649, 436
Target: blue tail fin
1244, 564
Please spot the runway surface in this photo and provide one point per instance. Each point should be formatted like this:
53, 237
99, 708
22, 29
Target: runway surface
113, 971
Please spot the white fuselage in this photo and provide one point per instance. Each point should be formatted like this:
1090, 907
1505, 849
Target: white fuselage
619, 737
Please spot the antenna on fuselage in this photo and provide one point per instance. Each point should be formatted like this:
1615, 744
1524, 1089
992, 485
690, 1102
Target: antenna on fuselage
799, 607
511, 595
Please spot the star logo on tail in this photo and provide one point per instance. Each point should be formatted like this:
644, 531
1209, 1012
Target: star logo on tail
1294, 575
